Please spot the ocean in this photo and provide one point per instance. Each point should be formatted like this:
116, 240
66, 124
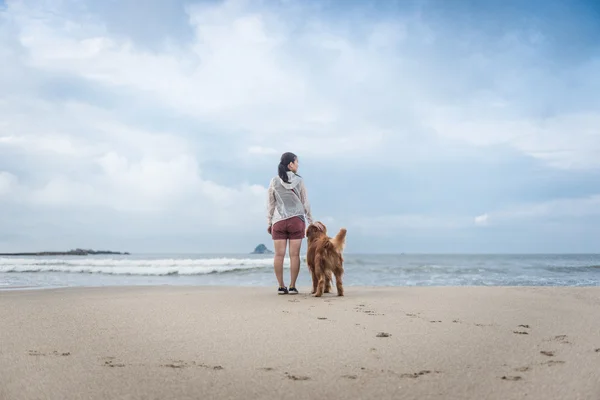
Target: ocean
257, 270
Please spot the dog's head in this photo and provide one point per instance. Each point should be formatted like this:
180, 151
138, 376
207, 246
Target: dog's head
315, 229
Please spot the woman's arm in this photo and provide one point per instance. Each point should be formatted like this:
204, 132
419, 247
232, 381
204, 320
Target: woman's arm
271, 203
305, 203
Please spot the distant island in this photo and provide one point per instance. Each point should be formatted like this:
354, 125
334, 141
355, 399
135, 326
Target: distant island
76, 252
261, 249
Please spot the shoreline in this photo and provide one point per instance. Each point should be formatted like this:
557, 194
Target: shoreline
189, 342
273, 286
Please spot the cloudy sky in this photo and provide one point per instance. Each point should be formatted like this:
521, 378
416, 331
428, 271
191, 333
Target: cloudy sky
421, 126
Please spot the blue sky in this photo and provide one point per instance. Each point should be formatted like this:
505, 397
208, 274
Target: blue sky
421, 126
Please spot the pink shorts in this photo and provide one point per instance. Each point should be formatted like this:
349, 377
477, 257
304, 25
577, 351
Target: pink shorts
290, 228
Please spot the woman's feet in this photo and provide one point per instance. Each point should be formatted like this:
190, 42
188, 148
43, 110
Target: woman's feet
284, 290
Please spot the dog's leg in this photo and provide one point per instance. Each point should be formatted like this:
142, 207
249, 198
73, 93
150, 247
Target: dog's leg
320, 285
338, 282
328, 279
314, 280
319, 275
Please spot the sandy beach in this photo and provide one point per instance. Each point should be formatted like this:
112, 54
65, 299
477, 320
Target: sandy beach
238, 342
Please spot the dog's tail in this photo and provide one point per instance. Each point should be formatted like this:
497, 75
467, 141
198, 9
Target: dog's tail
327, 257
339, 241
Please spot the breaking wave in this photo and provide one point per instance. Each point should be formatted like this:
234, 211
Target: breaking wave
143, 267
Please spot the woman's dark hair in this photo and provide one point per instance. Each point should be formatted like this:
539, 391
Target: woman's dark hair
282, 169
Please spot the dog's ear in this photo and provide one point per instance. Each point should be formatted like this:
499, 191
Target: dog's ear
315, 228
311, 230
320, 226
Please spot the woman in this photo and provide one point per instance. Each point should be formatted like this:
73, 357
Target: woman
288, 213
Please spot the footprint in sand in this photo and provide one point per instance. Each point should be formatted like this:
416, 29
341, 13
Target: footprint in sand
350, 376
553, 362
110, 362
415, 375
267, 369
383, 334
547, 353
521, 332
522, 369
435, 321
562, 339
597, 350
176, 364
297, 377
184, 364
368, 312
524, 326
511, 378
321, 318
54, 353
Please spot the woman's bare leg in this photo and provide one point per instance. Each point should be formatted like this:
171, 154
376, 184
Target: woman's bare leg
295, 246
279, 246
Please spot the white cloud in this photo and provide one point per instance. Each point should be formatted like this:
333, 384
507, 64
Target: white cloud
564, 209
481, 219
568, 141
386, 225
47, 144
263, 151
7, 183
150, 185
115, 165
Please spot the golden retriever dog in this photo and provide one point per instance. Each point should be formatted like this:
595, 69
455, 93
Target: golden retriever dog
324, 258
